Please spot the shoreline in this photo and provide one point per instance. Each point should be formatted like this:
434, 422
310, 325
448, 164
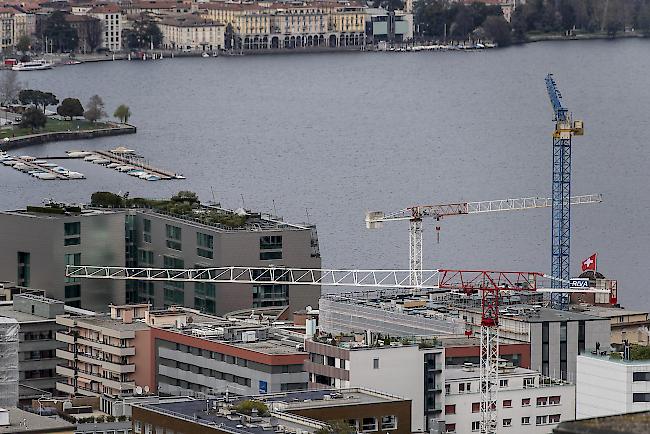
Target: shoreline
61, 136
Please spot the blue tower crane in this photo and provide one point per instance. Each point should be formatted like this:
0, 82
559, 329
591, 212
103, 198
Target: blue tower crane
565, 129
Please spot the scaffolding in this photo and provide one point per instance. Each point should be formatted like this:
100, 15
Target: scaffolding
8, 362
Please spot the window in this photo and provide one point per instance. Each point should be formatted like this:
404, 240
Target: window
525, 402
205, 253
641, 376
641, 397
503, 383
72, 259
476, 425
72, 241
388, 422
271, 242
507, 422
375, 363
72, 291
541, 420
148, 428
450, 409
461, 387
447, 389
525, 420
450, 427
554, 418
146, 230
553, 400
542, 401
146, 257
267, 256
72, 228
507, 403
369, 424
205, 245
173, 237
529, 382
172, 262
23, 269
137, 426
476, 407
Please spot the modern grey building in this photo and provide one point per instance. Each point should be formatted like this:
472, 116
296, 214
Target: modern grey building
40, 241
556, 337
37, 243
36, 317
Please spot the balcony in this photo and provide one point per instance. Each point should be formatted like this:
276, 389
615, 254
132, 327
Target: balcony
111, 349
92, 376
117, 367
65, 354
64, 387
65, 371
118, 385
87, 358
65, 337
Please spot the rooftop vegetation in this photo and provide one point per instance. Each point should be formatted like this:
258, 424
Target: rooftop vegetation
183, 204
337, 427
248, 406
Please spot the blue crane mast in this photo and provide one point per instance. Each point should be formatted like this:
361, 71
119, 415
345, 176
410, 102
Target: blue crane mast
565, 129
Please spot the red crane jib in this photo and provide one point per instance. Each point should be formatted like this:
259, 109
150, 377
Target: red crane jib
489, 283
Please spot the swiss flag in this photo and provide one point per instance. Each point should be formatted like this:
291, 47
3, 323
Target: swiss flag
589, 263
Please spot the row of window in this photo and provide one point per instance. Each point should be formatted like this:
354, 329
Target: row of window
507, 422
542, 401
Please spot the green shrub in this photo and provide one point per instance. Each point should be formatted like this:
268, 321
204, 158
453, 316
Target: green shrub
247, 406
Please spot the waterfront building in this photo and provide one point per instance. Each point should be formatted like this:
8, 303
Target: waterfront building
89, 31
24, 24
156, 8
7, 28
411, 370
290, 25
111, 17
608, 385
528, 402
291, 412
556, 337
39, 242
191, 33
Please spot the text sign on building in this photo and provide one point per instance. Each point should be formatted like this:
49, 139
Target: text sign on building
263, 386
577, 282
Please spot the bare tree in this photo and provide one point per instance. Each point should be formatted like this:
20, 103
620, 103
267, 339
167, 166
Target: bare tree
10, 86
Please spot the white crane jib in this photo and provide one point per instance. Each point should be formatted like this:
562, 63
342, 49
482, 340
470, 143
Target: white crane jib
415, 214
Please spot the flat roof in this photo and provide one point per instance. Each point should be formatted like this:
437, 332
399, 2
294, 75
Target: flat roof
628, 423
460, 373
34, 422
328, 398
267, 346
85, 212
7, 310
113, 324
611, 312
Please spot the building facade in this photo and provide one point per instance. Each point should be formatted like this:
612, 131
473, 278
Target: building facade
39, 242
191, 33
404, 370
111, 18
37, 346
528, 402
606, 386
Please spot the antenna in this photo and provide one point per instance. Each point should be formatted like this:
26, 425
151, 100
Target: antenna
243, 204
275, 211
212, 190
307, 212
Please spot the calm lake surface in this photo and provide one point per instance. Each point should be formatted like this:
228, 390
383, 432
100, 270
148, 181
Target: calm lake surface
330, 136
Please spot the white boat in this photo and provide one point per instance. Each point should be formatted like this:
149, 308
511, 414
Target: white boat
9, 162
136, 172
33, 65
125, 168
45, 176
27, 158
48, 165
92, 157
152, 178
205, 55
113, 165
101, 161
78, 154
39, 162
75, 175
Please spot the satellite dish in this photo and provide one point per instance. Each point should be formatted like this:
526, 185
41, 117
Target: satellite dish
138, 390
146, 389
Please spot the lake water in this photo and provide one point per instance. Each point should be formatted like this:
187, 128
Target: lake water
330, 136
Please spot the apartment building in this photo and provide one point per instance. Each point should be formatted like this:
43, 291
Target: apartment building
36, 317
7, 28
191, 33
528, 402
202, 355
102, 353
556, 337
630, 325
39, 242
288, 413
607, 385
111, 18
413, 371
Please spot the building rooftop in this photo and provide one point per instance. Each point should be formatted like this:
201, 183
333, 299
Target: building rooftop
104, 320
628, 423
611, 312
189, 20
536, 314
49, 212
7, 310
325, 398
462, 373
268, 346
21, 421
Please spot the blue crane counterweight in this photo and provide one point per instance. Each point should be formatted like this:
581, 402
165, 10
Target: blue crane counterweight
565, 128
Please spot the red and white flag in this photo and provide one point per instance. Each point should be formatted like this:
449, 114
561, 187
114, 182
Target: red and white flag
589, 263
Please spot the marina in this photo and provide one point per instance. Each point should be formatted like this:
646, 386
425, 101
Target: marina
39, 168
126, 161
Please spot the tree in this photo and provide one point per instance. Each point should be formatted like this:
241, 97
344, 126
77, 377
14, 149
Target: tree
143, 34
37, 98
95, 110
70, 107
499, 30
33, 118
247, 407
60, 32
337, 427
10, 86
94, 34
123, 113
24, 44
106, 199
